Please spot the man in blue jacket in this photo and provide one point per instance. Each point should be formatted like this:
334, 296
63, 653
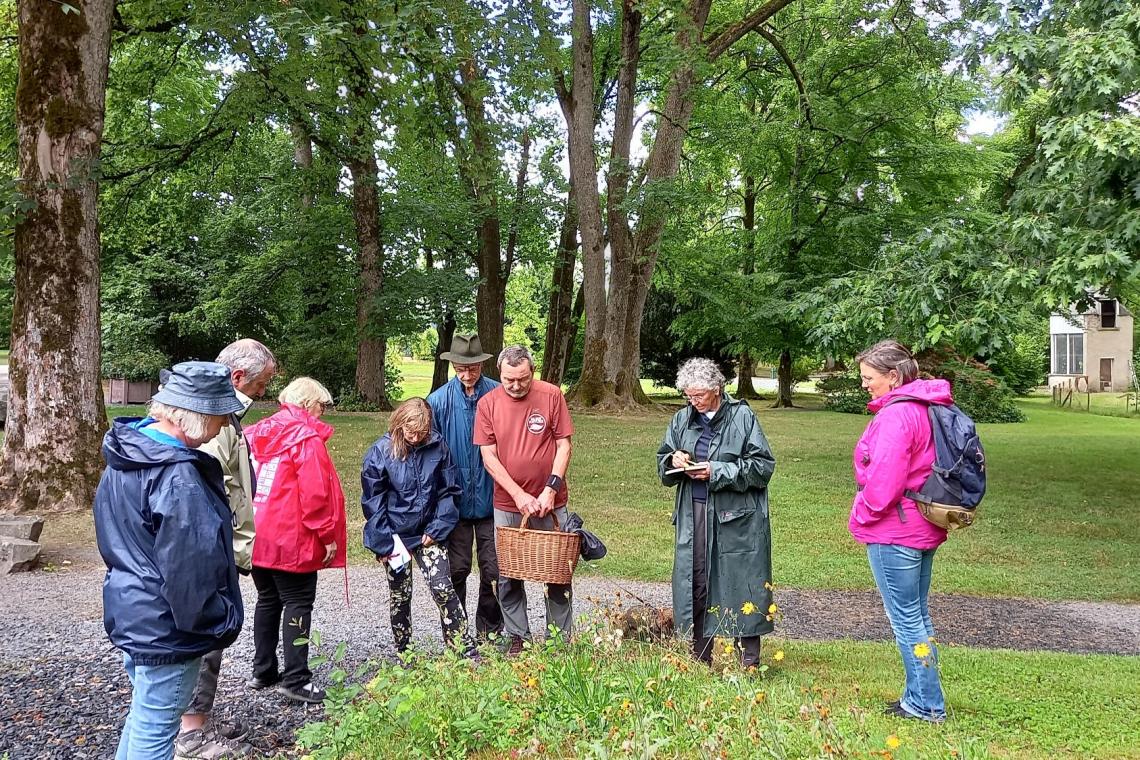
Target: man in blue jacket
453, 415
164, 529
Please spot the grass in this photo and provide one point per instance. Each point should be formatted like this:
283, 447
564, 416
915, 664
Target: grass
1059, 520
602, 698
1105, 404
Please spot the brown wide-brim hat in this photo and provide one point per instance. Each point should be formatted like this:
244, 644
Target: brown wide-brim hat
465, 349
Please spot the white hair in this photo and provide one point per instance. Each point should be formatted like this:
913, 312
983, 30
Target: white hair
702, 374
248, 355
514, 355
194, 425
304, 391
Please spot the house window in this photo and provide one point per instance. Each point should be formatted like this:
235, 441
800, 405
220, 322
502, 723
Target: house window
1068, 353
1108, 315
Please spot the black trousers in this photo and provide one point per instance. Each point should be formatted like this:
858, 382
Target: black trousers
481, 533
285, 608
747, 646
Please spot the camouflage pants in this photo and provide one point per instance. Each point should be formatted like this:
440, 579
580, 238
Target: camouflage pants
434, 564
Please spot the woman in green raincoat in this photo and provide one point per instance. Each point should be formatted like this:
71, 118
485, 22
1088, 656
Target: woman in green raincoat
716, 455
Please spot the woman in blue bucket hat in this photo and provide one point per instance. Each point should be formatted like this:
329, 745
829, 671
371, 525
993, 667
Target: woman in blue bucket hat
163, 526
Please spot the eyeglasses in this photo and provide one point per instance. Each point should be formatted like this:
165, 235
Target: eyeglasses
326, 405
697, 395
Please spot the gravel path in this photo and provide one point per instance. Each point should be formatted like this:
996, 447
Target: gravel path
65, 692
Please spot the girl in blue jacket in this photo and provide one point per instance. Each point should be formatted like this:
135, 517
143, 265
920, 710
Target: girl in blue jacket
409, 488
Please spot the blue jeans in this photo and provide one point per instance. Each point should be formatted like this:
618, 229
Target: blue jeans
903, 577
161, 694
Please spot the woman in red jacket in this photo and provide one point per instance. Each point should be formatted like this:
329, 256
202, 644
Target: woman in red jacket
300, 529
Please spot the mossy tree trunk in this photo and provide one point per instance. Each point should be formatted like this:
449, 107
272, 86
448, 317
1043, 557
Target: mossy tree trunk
56, 419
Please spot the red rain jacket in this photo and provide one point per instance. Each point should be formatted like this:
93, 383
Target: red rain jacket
298, 502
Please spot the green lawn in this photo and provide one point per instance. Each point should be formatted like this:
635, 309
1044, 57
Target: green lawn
1106, 404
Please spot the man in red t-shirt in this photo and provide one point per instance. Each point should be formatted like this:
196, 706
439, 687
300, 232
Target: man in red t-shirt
523, 429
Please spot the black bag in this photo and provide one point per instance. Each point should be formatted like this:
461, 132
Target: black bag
591, 547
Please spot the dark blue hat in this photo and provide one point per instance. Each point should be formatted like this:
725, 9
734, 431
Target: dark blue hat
203, 387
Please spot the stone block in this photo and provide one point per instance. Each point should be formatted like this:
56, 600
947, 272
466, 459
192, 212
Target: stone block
16, 555
26, 528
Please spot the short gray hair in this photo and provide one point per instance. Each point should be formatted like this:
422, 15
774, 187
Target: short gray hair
700, 373
248, 355
514, 355
192, 424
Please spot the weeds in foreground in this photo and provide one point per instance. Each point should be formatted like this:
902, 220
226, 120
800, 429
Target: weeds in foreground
600, 696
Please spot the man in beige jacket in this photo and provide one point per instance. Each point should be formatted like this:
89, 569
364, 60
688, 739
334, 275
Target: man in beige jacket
252, 366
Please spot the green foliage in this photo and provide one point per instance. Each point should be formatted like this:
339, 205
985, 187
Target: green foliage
981, 394
844, 393
605, 697
1024, 363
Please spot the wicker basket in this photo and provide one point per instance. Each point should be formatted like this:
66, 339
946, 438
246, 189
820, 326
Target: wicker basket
549, 556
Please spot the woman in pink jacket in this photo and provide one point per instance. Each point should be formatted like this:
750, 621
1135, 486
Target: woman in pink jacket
300, 529
893, 456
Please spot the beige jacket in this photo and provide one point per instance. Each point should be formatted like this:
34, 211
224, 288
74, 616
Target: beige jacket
232, 451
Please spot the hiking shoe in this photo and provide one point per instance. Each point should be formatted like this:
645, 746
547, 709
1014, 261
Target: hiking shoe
258, 683
516, 647
206, 745
230, 729
307, 693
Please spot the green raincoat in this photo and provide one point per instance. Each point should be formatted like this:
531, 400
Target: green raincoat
738, 536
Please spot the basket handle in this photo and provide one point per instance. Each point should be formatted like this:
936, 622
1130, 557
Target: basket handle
557, 527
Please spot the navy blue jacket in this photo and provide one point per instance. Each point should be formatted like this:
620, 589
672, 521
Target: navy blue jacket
453, 415
164, 529
410, 497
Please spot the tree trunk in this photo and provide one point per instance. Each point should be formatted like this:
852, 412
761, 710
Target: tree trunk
445, 331
745, 369
591, 388
558, 343
303, 157
56, 418
784, 374
371, 340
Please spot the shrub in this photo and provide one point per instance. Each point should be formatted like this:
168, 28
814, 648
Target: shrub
1024, 364
843, 393
981, 394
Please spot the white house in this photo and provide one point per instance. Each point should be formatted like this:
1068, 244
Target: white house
1095, 344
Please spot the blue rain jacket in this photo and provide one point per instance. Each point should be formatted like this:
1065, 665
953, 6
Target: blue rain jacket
453, 415
164, 529
411, 496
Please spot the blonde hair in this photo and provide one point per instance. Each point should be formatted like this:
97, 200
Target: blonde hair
887, 355
304, 391
194, 425
414, 415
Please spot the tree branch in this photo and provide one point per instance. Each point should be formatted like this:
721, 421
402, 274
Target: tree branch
728, 36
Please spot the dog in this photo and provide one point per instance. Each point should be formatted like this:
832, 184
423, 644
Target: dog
646, 623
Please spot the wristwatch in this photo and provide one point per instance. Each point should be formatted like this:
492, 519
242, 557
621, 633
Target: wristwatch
554, 482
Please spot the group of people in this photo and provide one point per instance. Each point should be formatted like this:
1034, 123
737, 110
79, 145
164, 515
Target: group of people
190, 500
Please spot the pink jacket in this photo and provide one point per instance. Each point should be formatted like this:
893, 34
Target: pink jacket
895, 454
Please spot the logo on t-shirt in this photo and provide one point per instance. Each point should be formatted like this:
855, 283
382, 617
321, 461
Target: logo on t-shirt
536, 423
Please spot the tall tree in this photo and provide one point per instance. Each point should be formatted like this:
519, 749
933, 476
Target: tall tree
56, 418
611, 362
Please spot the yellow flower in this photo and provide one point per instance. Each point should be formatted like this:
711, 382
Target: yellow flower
728, 647
772, 608
893, 741
532, 682
922, 650
779, 655
748, 608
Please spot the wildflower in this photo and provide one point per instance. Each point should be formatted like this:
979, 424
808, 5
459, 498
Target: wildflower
625, 705
759, 697
531, 682
779, 655
748, 608
922, 650
670, 704
772, 608
728, 647
893, 741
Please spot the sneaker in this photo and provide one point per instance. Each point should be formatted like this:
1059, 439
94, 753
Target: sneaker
206, 745
516, 646
257, 683
307, 693
897, 710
